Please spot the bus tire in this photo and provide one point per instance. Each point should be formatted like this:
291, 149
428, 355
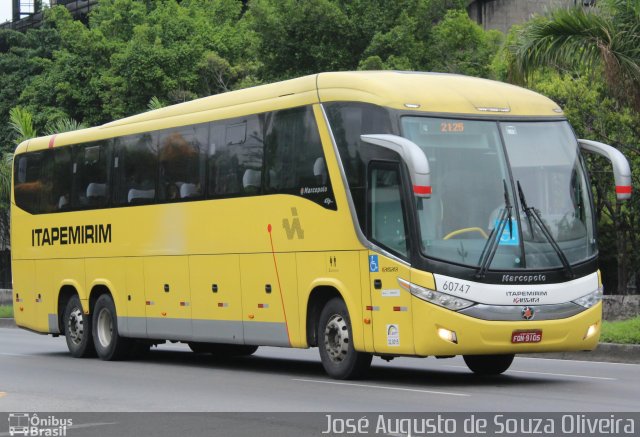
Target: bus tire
487, 365
77, 329
339, 357
109, 345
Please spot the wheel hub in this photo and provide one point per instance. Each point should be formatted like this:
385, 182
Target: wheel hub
75, 326
105, 327
336, 338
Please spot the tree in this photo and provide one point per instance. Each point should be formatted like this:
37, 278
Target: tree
459, 45
603, 39
21, 124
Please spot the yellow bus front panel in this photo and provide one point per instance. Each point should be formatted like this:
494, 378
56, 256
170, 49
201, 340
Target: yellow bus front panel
475, 336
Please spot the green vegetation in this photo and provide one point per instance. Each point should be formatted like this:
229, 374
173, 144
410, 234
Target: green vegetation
137, 55
588, 60
623, 331
6, 311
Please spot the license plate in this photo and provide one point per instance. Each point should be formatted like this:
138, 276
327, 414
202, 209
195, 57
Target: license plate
526, 336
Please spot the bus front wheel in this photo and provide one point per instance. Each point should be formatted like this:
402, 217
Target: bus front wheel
335, 341
487, 365
110, 346
77, 329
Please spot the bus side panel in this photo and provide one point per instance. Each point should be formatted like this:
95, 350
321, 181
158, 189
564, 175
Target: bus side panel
24, 305
136, 322
266, 284
339, 270
366, 301
168, 297
109, 272
391, 313
51, 276
216, 298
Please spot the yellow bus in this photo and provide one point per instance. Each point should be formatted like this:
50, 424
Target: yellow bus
363, 213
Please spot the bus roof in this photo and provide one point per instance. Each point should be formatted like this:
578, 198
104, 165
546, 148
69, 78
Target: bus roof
436, 93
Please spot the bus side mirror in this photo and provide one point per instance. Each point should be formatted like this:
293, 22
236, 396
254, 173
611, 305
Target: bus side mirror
621, 169
412, 155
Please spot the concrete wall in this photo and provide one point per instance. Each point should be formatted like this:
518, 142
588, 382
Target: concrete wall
6, 297
502, 14
619, 307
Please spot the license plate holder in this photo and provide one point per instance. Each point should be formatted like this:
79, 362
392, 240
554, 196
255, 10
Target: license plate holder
528, 336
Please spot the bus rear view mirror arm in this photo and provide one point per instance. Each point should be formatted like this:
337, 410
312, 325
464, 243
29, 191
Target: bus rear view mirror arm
621, 169
412, 155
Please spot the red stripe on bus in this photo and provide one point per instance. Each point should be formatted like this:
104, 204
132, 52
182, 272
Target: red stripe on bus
623, 189
422, 189
52, 140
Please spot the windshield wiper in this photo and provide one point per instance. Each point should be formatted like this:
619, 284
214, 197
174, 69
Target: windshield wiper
532, 213
491, 246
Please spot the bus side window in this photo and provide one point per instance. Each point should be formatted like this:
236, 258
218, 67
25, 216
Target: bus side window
235, 158
182, 158
91, 169
294, 159
387, 226
62, 179
30, 183
136, 169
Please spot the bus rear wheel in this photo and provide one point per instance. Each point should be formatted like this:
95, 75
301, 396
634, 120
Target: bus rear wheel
339, 357
488, 365
77, 329
110, 346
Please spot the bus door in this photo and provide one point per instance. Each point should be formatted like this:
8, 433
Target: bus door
390, 305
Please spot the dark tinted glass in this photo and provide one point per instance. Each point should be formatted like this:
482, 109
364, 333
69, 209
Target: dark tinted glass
235, 157
91, 168
294, 159
62, 180
31, 184
386, 212
348, 121
182, 160
136, 167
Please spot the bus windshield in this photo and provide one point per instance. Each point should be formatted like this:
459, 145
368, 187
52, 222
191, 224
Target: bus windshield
476, 195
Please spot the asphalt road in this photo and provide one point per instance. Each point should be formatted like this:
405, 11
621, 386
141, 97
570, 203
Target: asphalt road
37, 374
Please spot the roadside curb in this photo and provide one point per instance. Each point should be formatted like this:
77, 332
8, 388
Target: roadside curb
605, 352
7, 323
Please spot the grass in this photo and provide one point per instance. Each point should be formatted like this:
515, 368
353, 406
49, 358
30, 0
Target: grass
622, 331
6, 311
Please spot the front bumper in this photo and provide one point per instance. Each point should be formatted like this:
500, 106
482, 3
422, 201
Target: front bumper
478, 337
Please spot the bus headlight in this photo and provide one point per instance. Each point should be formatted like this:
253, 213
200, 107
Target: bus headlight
436, 297
590, 299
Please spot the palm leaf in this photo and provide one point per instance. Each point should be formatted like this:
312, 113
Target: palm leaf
64, 124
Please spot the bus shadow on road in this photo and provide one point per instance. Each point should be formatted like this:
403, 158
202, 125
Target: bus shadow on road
380, 373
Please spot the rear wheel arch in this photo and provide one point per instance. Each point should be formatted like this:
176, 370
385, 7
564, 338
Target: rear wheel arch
65, 294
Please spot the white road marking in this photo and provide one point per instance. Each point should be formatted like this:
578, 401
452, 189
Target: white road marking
383, 387
565, 374
549, 374
7, 354
579, 361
